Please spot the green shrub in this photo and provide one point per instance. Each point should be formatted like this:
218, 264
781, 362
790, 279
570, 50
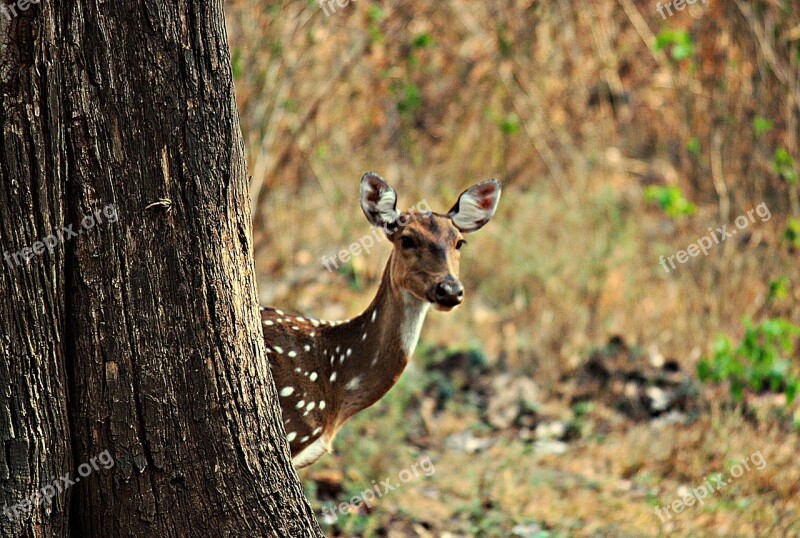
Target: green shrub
762, 361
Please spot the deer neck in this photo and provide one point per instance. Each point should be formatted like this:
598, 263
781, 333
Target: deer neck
382, 340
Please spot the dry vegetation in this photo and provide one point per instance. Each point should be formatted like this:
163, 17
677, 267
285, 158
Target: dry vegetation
535, 400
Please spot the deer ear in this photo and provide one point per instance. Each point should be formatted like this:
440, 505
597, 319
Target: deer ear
378, 201
475, 206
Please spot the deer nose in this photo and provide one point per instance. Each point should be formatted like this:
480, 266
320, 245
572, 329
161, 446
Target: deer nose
449, 292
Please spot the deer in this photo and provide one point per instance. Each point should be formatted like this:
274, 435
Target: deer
327, 371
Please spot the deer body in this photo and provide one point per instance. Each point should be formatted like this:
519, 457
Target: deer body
327, 371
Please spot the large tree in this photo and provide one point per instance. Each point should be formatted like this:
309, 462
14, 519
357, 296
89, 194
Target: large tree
136, 330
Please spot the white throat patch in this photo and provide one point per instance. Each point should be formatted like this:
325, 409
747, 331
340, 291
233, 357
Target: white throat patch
413, 317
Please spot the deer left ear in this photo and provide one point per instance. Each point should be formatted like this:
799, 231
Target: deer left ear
475, 206
378, 201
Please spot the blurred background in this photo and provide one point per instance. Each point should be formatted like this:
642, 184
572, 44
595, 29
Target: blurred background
584, 383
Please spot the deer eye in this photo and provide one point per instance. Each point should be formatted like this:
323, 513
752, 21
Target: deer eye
460, 244
407, 242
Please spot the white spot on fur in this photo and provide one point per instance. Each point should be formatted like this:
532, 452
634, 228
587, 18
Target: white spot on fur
311, 406
279, 312
374, 315
295, 328
287, 391
290, 437
349, 351
300, 318
306, 348
322, 404
313, 376
304, 439
300, 404
268, 322
341, 358
333, 377
364, 337
298, 370
311, 334
292, 353
353, 383
316, 431
278, 349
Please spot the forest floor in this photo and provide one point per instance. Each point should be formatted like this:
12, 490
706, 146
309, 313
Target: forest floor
563, 398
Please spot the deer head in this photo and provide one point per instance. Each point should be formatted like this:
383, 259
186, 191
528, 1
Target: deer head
426, 257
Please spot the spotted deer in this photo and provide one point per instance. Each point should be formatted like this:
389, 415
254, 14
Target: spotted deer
327, 371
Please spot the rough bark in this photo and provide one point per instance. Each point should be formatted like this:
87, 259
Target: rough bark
140, 335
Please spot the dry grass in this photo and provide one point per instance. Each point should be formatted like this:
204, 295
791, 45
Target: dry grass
569, 105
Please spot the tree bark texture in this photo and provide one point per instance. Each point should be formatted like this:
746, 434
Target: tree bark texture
138, 335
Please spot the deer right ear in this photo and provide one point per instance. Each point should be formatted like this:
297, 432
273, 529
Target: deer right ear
475, 206
378, 201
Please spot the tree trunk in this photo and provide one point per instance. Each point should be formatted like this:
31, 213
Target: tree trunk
136, 330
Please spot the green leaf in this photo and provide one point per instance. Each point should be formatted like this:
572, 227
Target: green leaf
791, 391
510, 125
681, 42
778, 289
410, 99
374, 13
681, 52
791, 233
761, 125
783, 165
422, 41
670, 200
704, 370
